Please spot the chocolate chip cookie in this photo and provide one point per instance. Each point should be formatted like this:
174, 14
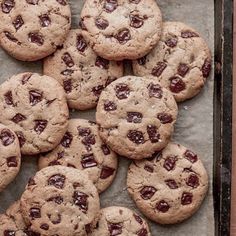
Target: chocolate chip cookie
82, 148
121, 221
80, 71
34, 106
181, 61
60, 200
169, 187
12, 222
122, 29
33, 29
136, 116
10, 156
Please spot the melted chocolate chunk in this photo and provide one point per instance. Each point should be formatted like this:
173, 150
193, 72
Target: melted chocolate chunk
110, 5
162, 206
44, 226
183, 69
191, 156
105, 149
18, 22
35, 213
7, 6
193, 181
18, 118
136, 21
45, 20
81, 43
170, 163
123, 36
134, 117
186, 198
67, 84
36, 38
176, 84
9, 232
57, 181
7, 137
101, 23
206, 68
153, 134
88, 161
155, 90
12, 161
159, 68
147, 192
25, 78
110, 106
149, 168
171, 184
84, 131
32, 2
102, 63
29, 232
136, 136
67, 140
88, 228
138, 219
122, 91
165, 118
66, 57
115, 229
35, 97
142, 232
10, 37
8, 98
171, 42
142, 61
89, 140
106, 172
80, 200
21, 138
40, 126
67, 72
188, 34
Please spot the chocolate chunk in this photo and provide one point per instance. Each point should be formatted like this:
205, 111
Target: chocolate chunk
171, 42
142, 61
35, 97
25, 78
10, 37
21, 138
176, 84
31, 181
136, 136
7, 6
80, 200
67, 72
66, 57
105, 149
193, 181
162, 206
165, 118
206, 68
122, 91
153, 134
35, 213
88, 228
170, 163
110, 106
135, 1
67, 84
89, 140
40, 126
102, 63
147, 192
136, 21
171, 184
84, 131
81, 43
9, 232
138, 219
12, 162
159, 68
8, 98
110, 5
88, 161
7, 137
186, 198
67, 140
101, 23
191, 156
134, 117
142, 232
106, 172
155, 90
149, 168
18, 118
45, 20
183, 69
115, 229
36, 38
44, 226
123, 36
188, 34
18, 22
32, 2
57, 181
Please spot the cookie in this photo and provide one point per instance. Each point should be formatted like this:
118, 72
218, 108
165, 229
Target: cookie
80, 71
34, 106
33, 29
122, 29
136, 116
60, 200
10, 156
82, 148
170, 187
12, 222
121, 221
181, 61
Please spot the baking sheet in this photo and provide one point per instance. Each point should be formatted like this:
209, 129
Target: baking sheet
193, 129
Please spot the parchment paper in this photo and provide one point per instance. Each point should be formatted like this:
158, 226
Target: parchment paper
193, 129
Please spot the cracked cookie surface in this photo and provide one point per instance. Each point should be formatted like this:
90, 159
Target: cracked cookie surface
169, 187
121, 221
181, 61
140, 116
80, 71
82, 148
10, 156
62, 200
122, 29
33, 29
35, 108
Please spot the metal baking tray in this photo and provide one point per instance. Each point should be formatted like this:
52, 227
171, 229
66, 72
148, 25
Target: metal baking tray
204, 124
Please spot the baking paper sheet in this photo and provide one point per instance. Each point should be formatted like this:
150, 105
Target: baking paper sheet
193, 129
